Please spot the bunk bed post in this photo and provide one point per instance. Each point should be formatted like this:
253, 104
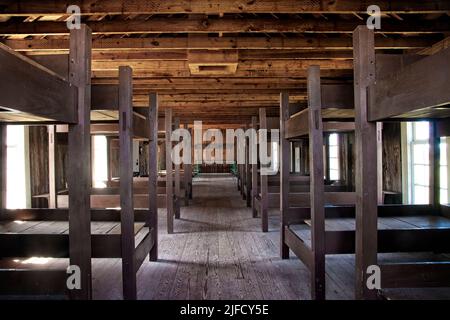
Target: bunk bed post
435, 155
284, 172
52, 194
254, 169
126, 182
3, 166
79, 160
380, 194
187, 169
169, 174
177, 172
366, 167
153, 174
264, 179
316, 184
190, 166
248, 173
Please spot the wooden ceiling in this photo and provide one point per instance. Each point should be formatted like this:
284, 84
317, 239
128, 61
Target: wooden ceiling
276, 41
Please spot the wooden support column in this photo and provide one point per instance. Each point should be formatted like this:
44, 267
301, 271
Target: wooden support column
366, 164
126, 182
79, 159
317, 194
153, 174
284, 172
380, 195
435, 169
169, 171
3, 165
187, 177
254, 169
264, 179
177, 172
52, 198
248, 174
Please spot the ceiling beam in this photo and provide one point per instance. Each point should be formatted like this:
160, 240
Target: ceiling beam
214, 43
103, 7
223, 25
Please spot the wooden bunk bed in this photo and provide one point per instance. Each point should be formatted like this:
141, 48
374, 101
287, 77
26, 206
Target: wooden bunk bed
369, 227
77, 233
268, 193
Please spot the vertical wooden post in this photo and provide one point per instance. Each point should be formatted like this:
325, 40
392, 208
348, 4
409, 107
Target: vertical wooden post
126, 181
108, 159
248, 173
79, 159
153, 174
169, 173
380, 195
264, 179
254, 169
177, 172
3, 166
52, 198
366, 164
284, 171
435, 169
187, 180
317, 185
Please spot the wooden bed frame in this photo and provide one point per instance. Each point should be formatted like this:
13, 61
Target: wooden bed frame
50, 98
369, 228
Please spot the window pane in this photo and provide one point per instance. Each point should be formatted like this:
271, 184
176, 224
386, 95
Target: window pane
444, 177
334, 152
443, 159
422, 130
333, 140
444, 196
421, 154
421, 195
334, 175
334, 164
422, 175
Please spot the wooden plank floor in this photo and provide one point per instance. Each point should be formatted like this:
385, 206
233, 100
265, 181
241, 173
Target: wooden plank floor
218, 252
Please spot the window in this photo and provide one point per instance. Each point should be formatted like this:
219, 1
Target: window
418, 173
100, 162
17, 184
333, 156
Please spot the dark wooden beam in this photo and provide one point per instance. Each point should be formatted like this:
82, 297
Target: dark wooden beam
169, 171
366, 166
284, 171
254, 170
264, 185
415, 275
317, 184
126, 182
153, 173
79, 161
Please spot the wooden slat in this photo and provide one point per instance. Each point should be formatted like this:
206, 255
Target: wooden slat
317, 184
126, 182
79, 157
366, 166
177, 169
299, 247
169, 168
414, 87
284, 171
153, 173
30, 88
297, 125
143, 249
